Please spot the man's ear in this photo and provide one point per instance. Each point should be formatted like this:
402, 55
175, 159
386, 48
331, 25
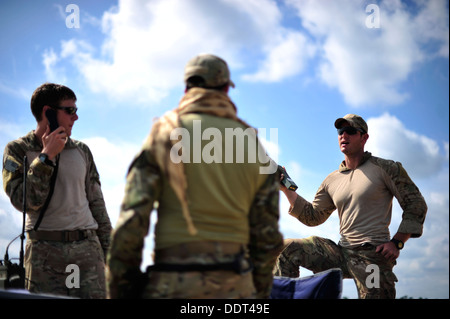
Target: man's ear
365, 137
44, 109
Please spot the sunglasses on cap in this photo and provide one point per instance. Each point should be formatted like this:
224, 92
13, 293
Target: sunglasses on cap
71, 110
350, 130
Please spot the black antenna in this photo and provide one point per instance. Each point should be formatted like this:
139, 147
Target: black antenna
6, 258
22, 235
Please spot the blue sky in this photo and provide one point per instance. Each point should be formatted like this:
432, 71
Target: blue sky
297, 65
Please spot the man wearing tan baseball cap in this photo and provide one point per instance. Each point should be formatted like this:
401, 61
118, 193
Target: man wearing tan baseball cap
217, 234
207, 71
352, 120
361, 190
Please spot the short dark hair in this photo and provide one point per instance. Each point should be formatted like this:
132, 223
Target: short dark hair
198, 81
50, 94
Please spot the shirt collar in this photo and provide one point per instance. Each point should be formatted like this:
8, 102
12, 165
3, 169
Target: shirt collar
343, 168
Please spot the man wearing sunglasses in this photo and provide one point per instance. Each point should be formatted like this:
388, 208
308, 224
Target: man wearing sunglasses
361, 190
67, 225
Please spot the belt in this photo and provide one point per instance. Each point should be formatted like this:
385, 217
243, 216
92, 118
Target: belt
63, 235
364, 246
240, 263
239, 266
191, 249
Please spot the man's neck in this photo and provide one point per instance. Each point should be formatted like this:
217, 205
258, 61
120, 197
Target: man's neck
352, 161
40, 130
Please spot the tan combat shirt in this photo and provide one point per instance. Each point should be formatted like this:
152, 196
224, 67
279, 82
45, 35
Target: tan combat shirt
363, 198
77, 202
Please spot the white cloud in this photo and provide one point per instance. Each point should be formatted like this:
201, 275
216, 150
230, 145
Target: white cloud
423, 265
285, 58
49, 60
148, 43
112, 159
431, 25
53, 71
389, 138
368, 65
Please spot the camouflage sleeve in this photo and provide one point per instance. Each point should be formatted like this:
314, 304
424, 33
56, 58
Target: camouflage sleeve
96, 202
38, 178
316, 213
266, 241
410, 200
125, 255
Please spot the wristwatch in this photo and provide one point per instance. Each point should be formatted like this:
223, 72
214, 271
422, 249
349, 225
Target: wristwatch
398, 243
44, 159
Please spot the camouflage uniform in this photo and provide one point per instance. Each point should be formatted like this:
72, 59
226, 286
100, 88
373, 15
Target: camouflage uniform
356, 249
145, 186
319, 254
46, 260
210, 215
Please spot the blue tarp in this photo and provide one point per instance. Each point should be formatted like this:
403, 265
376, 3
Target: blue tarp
323, 285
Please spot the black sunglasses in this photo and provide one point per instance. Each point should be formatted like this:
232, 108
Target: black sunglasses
71, 110
350, 130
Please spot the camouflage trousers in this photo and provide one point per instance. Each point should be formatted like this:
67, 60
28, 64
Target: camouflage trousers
217, 284
199, 285
371, 272
75, 269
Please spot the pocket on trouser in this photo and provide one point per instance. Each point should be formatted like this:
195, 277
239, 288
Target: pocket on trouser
91, 264
44, 269
381, 287
373, 276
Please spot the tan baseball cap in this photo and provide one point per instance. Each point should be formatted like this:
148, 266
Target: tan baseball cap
211, 68
354, 120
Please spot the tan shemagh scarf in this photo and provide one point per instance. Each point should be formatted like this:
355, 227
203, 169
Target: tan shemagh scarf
196, 100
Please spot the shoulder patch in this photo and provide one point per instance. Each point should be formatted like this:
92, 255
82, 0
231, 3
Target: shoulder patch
11, 166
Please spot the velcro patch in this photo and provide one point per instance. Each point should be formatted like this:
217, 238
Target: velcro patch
11, 166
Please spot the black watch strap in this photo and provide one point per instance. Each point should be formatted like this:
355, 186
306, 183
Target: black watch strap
44, 159
398, 243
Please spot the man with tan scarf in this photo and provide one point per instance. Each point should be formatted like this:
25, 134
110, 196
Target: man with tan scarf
217, 233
